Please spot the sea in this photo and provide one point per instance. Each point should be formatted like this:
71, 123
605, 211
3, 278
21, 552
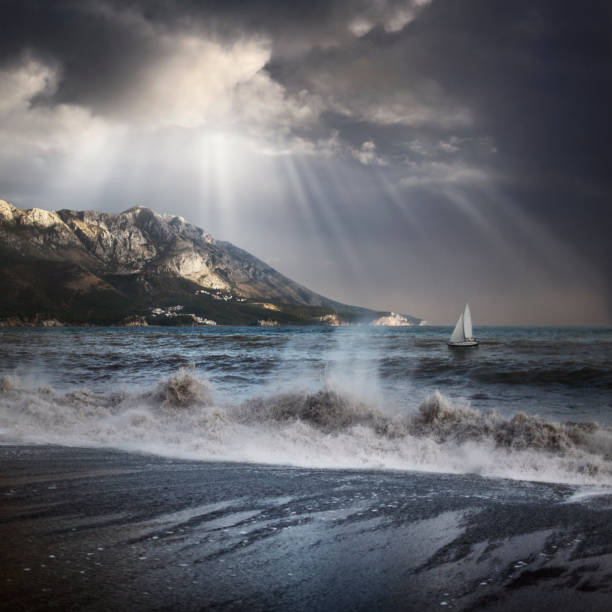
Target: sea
528, 404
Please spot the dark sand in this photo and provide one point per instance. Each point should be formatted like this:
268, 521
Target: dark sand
86, 529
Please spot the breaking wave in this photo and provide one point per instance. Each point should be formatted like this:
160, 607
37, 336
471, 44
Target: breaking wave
328, 428
183, 390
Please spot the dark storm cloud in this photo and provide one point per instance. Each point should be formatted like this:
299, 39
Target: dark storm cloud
537, 74
478, 130
100, 44
534, 77
538, 77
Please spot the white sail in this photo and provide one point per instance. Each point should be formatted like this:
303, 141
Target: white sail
467, 322
458, 334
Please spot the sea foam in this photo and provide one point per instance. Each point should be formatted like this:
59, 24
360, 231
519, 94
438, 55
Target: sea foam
325, 428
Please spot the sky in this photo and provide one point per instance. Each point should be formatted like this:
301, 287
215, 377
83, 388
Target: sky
404, 155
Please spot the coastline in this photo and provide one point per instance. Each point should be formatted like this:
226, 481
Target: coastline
98, 529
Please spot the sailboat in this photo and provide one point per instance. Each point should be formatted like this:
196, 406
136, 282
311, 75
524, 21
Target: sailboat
462, 334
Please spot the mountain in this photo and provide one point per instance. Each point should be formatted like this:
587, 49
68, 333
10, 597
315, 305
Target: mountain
140, 266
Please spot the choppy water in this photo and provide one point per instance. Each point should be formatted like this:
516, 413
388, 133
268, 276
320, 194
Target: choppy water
321, 396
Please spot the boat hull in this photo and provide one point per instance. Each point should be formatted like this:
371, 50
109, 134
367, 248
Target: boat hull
464, 344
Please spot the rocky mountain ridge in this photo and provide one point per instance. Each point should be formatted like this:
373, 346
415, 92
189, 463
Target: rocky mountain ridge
87, 266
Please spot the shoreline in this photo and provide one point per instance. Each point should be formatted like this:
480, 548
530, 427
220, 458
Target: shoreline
574, 489
100, 529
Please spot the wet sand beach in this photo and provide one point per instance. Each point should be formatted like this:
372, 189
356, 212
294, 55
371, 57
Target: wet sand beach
88, 529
